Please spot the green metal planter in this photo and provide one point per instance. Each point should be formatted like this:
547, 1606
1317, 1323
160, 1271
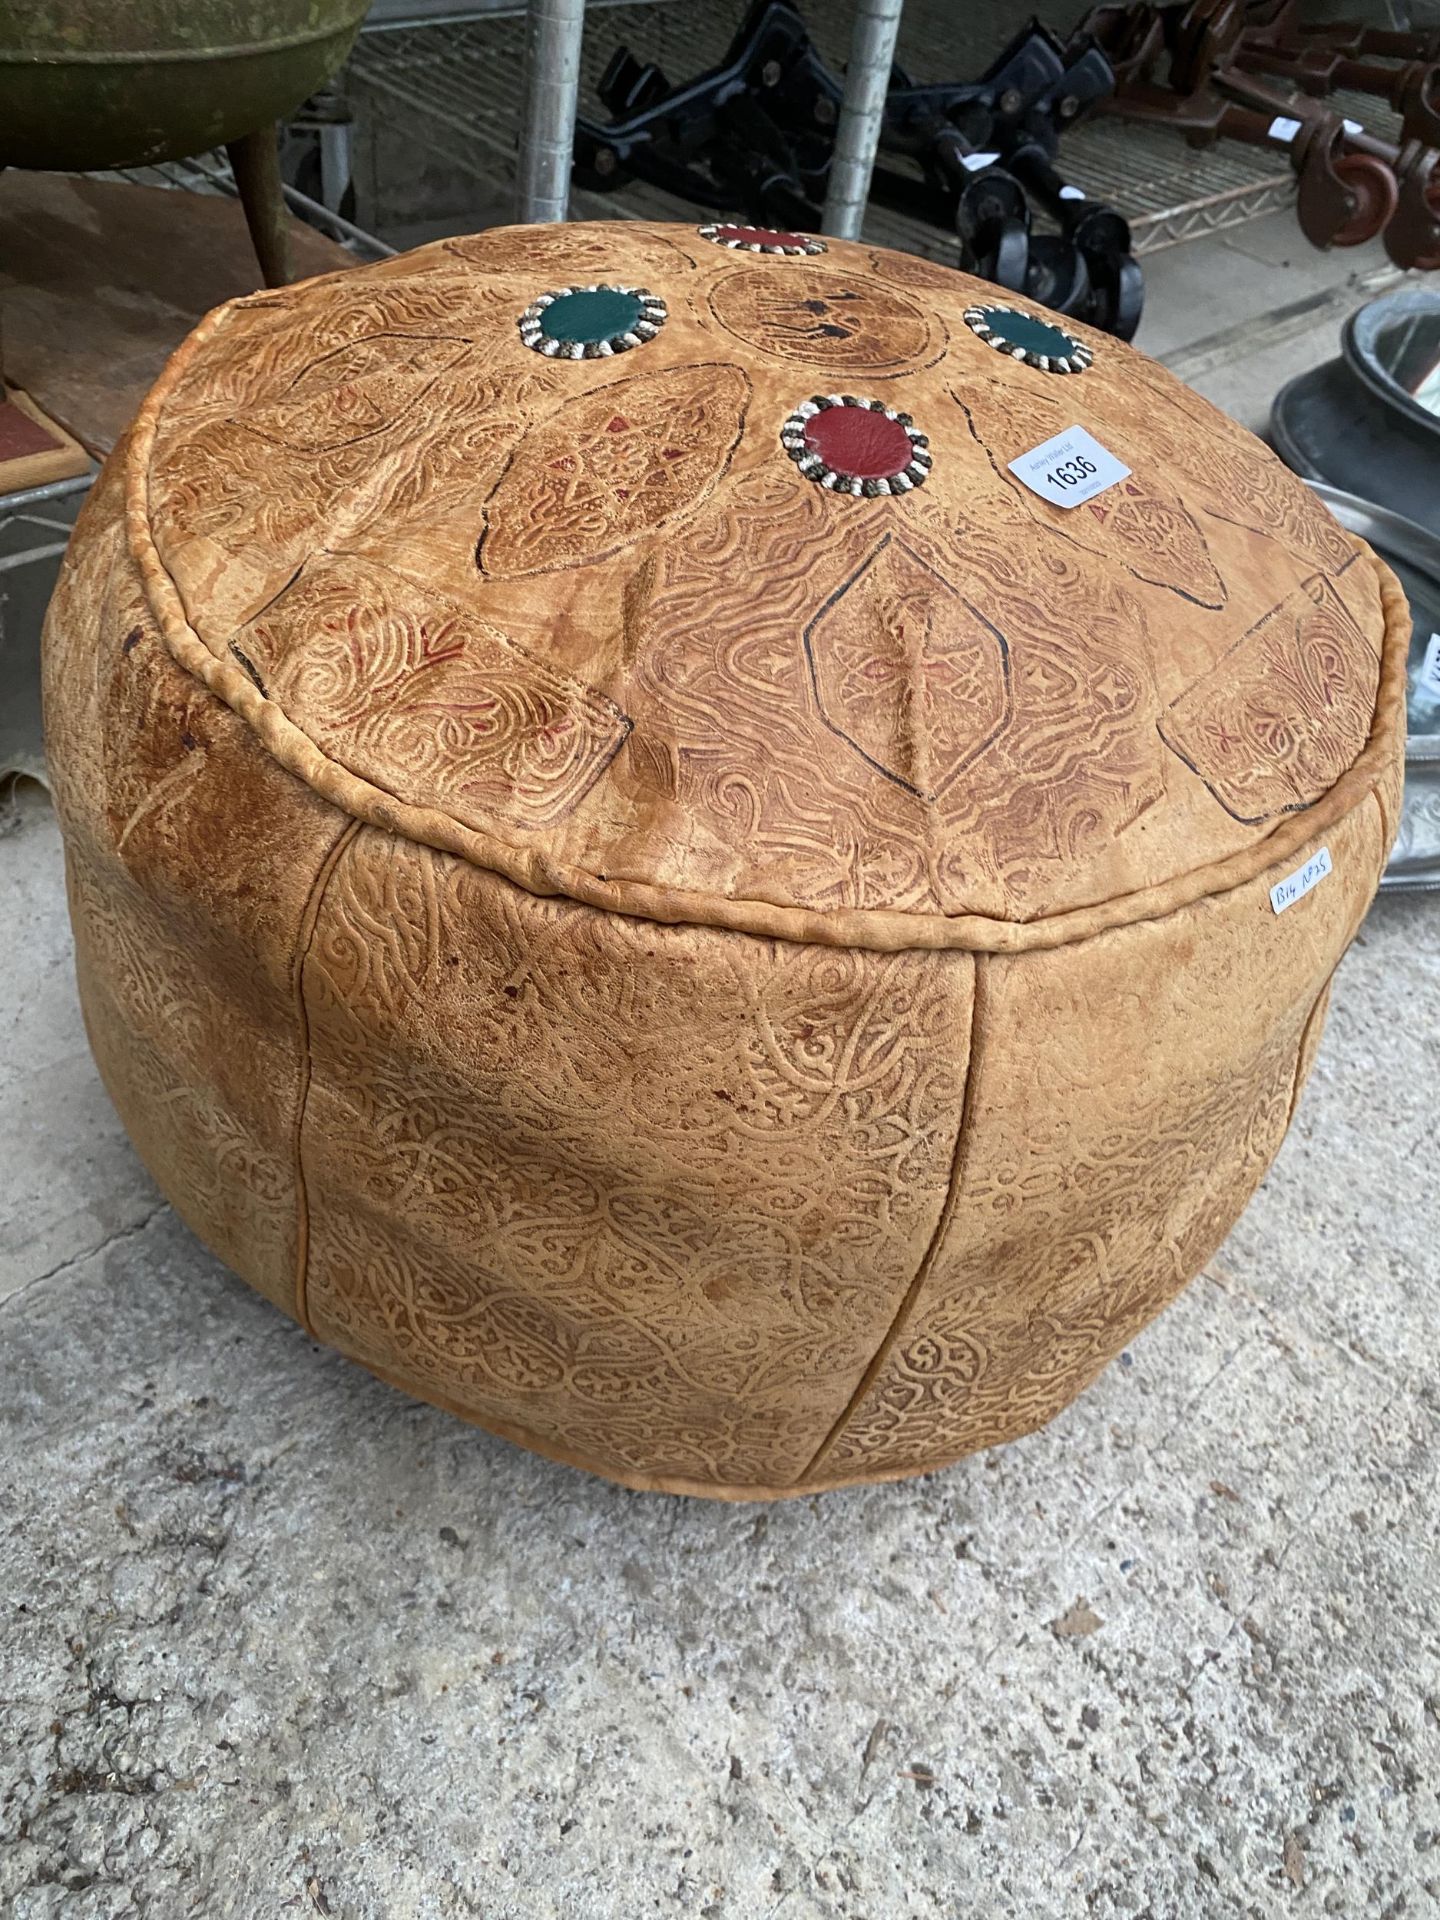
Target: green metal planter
91, 83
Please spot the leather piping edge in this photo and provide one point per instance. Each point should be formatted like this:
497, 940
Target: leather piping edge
875, 929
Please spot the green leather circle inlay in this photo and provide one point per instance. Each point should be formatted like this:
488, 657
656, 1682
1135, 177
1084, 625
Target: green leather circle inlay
1026, 337
1024, 330
588, 317
591, 323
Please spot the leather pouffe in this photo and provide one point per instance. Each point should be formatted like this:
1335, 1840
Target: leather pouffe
628, 872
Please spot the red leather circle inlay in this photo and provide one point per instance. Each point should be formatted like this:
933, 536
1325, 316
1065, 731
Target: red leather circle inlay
759, 236
853, 440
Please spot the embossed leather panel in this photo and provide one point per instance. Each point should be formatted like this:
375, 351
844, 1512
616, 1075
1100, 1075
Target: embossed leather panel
397, 414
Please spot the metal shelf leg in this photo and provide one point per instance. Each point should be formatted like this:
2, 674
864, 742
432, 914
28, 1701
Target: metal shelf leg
553, 30
872, 53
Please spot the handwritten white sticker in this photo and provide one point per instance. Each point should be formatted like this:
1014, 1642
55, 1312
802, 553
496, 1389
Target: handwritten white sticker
1428, 674
973, 162
1296, 885
1283, 129
1071, 193
1069, 469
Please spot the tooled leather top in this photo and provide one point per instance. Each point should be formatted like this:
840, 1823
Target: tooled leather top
578, 585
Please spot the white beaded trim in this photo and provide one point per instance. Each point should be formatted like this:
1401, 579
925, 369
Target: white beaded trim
792, 438
1075, 361
653, 315
722, 234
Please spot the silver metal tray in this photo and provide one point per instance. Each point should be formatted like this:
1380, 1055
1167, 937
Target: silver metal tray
1415, 862
1414, 553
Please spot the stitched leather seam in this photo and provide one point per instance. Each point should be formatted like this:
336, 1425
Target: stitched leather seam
905, 1310
309, 920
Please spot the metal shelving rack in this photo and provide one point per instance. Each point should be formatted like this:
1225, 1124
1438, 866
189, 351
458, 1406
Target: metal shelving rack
209, 173
34, 528
456, 87
35, 523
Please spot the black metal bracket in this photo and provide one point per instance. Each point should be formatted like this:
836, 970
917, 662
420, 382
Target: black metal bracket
978, 157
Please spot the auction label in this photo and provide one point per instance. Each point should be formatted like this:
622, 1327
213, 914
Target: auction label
1070, 469
1304, 880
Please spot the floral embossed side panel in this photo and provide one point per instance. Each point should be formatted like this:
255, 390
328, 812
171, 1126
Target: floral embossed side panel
1151, 534
302, 440
185, 1071
573, 253
1244, 483
610, 466
353, 391
996, 745
645, 1194
408, 690
847, 323
190, 857
1128, 1096
930, 277
1157, 539
907, 672
1227, 471
1279, 718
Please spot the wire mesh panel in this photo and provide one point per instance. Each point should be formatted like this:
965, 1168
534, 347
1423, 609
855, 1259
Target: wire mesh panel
455, 90
210, 173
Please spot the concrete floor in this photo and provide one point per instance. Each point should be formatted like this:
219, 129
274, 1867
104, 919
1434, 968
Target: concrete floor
280, 1642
